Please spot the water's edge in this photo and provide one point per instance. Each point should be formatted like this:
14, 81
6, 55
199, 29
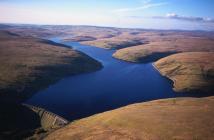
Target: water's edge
117, 84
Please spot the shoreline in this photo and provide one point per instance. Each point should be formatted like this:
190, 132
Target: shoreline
46, 62
158, 115
173, 80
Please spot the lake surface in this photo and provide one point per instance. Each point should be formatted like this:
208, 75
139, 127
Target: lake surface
118, 84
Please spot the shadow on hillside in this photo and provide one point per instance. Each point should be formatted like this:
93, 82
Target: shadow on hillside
155, 56
17, 121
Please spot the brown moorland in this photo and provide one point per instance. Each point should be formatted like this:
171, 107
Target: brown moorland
64, 31
189, 71
27, 65
79, 39
156, 41
159, 47
124, 39
179, 118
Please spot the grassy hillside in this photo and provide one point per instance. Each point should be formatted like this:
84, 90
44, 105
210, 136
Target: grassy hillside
79, 39
124, 39
181, 118
27, 65
159, 47
67, 31
189, 71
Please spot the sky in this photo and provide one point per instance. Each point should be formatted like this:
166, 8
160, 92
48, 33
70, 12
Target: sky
149, 14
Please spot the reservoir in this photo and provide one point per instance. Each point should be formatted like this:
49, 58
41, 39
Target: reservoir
117, 84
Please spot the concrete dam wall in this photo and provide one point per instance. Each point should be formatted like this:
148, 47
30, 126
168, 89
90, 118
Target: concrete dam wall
48, 119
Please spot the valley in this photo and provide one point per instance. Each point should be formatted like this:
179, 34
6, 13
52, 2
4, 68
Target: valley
84, 73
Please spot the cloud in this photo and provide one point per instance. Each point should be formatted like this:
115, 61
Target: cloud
145, 1
146, 4
185, 18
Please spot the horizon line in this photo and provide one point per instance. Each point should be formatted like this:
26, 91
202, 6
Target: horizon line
103, 26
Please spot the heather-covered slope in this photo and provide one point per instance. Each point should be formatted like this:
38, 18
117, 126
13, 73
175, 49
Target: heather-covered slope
123, 40
162, 47
189, 71
28, 65
181, 118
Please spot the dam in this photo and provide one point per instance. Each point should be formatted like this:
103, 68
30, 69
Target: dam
47, 118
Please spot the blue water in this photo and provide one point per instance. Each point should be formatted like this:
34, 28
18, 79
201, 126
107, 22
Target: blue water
117, 84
